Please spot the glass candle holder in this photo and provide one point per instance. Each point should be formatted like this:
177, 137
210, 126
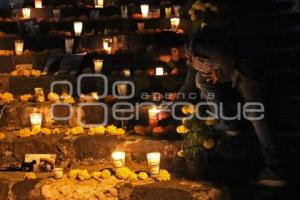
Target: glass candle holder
153, 116
141, 26
78, 28
36, 120
174, 23
56, 14
168, 12
122, 89
159, 71
118, 159
107, 45
39, 95
26, 13
69, 43
177, 9
98, 65
19, 47
126, 72
124, 11
153, 163
58, 172
38, 3
99, 3
145, 10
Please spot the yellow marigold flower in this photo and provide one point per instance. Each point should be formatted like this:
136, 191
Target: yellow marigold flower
188, 109
105, 174
193, 17
208, 5
83, 175
111, 129
209, 143
99, 130
163, 175
132, 176
35, 130
25, 132
91, 131
69, 100
14, 73
214, 8
30, 176
182, 129
77, 130
210, 121
2, 136
7, 97
45, 131
36, 73
68, 131
123, 173
203, 24
143, 176
73, 173
53, 97
191, 11
26, 97
120, 131
55, 131
26, 72
96, 174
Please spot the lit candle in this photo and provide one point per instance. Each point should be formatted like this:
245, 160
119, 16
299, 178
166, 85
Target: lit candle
159, 71
99, 3
174, 23
38, 3
153, 163
36, 120
98, 64
58, 172
39, 94
168, 12
69, 42
145, 10
19, 46
122, 89
153, 116
118, 159
78, 28
95, 95
141, 26
26, 13
107, 45
126, 72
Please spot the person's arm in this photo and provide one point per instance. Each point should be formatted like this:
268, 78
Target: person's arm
188, 86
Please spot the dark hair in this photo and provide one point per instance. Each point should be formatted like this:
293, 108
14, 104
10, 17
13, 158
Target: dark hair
164, 41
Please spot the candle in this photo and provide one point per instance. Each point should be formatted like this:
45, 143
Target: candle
168, 12
39, 94
98, 64
56, 14
126, 72
78, 28
145, 10
38, 3
36, 120
174, 23
99, 3
159, 71
107, 45
58, 172
69, 42
118, 159
153, 116
124, 11
26, 13
153, 163
95, 95
19, 46
122, 89
141, 26
177, 9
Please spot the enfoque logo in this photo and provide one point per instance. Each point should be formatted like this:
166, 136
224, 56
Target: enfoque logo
125, 110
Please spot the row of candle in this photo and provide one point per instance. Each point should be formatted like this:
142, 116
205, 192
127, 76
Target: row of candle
153, 159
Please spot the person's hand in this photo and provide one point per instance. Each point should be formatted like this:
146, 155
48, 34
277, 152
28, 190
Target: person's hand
211, 77
201, 65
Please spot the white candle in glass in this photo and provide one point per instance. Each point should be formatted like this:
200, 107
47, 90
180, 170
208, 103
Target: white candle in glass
122, 89
153, 116
98, 65
159, 71
69, 42
153, 163
26, 13
107, 45
126, 72
58, 172
36, 120
177, 9
38, 3
175, 21
56, 14
78, 28
99, 3
118, 159
19, 47
145, 10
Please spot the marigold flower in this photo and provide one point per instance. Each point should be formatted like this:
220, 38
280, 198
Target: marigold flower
163, 175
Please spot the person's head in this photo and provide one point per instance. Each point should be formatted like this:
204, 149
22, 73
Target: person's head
168, 46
